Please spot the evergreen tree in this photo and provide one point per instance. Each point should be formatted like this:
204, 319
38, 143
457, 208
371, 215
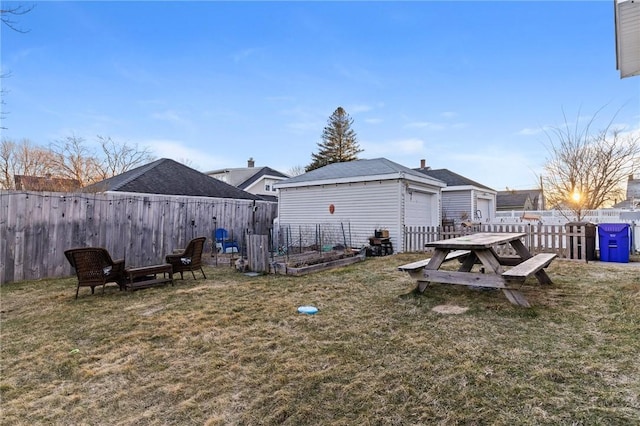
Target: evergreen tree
339, 142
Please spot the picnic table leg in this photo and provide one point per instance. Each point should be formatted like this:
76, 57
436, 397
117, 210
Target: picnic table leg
543, 278
524, 253
434, 264
515, 297
468, 263
489, 260
521, 249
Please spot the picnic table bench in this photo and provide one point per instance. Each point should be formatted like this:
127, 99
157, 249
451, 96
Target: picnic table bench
479, 248
418, 266
531, 266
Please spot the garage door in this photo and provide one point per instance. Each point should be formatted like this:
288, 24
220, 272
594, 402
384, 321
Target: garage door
484, 209
418, 209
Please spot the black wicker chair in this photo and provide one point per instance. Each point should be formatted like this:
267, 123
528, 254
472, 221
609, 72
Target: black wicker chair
190, 259
94, 267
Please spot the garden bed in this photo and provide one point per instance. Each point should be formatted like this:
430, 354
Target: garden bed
306, 263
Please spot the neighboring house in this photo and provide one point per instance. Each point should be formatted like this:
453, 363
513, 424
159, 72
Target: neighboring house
359, 197
633, 188
522, 200
256, 180
463, 200
45, 183
633, 195
168, 177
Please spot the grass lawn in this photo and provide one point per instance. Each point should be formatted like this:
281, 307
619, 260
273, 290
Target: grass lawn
232, 350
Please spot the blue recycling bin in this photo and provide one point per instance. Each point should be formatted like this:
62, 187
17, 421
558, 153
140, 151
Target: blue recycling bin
614, 242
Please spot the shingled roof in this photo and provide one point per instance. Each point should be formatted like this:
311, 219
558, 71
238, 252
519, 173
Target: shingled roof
357, 170
168, 177
519, 200
451, 178
45, 183
263, 171
244, 177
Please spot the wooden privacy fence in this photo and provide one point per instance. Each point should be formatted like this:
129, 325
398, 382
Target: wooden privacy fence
37, 227
567, 241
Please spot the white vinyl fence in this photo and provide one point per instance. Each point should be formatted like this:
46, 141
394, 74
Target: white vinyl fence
556, 217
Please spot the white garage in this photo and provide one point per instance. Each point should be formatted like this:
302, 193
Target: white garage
347, 202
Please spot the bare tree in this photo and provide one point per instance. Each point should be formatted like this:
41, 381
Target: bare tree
23, 158
3, 93
586, 169
73, 160
68, 158
119, 158
188, 162
295, 171
7, 168
8, 16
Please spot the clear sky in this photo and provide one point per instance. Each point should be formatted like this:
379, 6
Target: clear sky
468, 86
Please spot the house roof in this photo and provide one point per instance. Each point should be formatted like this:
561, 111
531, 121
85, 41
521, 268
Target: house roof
357, 170
451, 178
45, 183
244, 177
264, 171
168, 177
627, 204
264, 197
516, 200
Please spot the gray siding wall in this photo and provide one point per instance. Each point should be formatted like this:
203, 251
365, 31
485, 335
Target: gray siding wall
457, 204
360, 207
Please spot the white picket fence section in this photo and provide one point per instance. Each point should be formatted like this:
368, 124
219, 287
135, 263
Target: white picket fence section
557, 217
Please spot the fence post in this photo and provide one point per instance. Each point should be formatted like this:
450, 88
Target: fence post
258, 252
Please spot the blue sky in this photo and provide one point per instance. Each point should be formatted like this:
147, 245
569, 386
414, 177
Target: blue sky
468, 86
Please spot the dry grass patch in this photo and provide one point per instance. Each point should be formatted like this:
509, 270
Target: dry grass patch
449, 309
233, 350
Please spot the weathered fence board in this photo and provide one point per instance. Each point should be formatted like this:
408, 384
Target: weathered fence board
37, 227
258, 253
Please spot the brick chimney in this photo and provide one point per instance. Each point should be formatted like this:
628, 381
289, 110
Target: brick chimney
423, 163
251, 163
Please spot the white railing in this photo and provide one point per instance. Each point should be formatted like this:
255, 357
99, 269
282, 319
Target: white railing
557, 217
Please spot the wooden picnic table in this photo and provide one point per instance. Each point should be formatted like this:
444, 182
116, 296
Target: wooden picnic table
480, 248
